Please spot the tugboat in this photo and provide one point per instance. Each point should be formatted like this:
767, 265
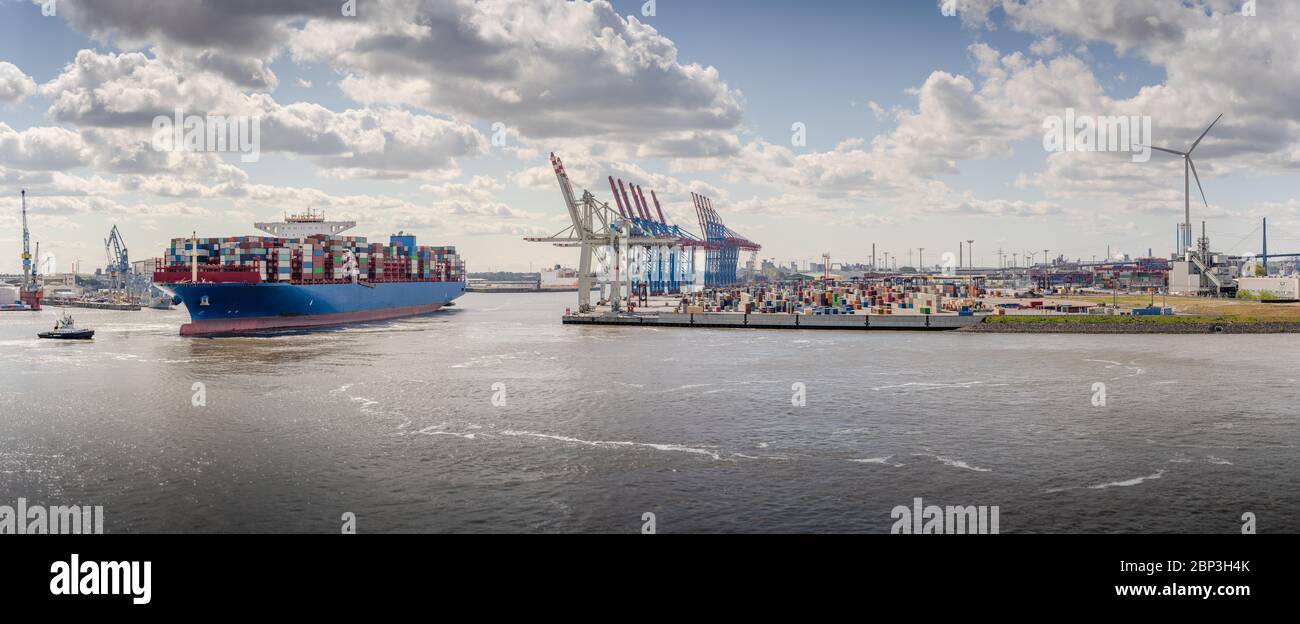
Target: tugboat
66, 329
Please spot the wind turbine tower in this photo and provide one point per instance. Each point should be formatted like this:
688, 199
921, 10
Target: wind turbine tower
1189, 167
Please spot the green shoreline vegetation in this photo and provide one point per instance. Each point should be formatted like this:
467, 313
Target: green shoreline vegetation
1097, 319
1192, 314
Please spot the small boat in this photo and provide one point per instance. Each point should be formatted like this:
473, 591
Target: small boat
66, 329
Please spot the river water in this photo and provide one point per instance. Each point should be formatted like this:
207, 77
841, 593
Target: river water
494, 417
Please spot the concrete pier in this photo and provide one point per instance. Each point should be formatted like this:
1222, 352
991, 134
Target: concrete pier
905, 322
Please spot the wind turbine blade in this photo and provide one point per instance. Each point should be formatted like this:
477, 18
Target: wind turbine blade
1177, 153
1198, 182
1207, 131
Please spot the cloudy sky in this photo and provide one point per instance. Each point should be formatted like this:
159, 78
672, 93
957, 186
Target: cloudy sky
436, 116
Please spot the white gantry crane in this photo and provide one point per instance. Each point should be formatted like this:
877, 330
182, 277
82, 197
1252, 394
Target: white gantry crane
602, 233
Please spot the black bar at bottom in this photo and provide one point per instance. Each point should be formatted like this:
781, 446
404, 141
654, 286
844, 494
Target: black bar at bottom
317, 574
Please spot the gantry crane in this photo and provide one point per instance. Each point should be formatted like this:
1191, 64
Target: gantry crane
597, 227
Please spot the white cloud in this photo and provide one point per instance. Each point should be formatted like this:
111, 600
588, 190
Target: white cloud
41, 148
550, 69
130, 89
14, 84
1045, 46
116, 97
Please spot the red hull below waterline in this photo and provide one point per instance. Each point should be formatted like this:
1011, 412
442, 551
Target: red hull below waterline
250, 325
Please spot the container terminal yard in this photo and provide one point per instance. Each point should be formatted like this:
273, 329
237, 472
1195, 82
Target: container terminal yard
644, 270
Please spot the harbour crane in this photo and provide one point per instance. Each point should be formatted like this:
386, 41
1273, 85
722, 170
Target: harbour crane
660, 270
27, 246
597, 227
119, 263
722, 245
31, 292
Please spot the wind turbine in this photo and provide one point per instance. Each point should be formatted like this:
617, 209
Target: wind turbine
1188, 165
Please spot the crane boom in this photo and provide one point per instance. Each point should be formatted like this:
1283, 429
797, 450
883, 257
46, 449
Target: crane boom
119, 263
27, 246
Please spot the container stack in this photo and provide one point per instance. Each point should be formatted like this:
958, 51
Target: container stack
842, 298
320, 258
306, 260
179, 250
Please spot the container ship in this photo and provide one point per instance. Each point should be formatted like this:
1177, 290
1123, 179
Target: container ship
305, 274
559, 279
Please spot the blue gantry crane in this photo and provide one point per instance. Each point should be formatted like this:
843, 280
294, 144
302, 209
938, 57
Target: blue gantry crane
722, 246
663, 269
119, 263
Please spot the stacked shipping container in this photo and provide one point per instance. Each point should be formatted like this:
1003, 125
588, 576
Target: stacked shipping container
320, 258
843, 298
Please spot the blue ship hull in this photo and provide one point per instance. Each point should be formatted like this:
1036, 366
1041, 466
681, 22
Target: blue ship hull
225, 308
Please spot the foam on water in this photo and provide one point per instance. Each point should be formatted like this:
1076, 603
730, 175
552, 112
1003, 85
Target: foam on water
920, 385
678, 448
956, 463
1133, 369
878, 460
1128, 482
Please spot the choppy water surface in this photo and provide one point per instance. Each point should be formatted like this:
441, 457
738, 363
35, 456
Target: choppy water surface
396, 423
